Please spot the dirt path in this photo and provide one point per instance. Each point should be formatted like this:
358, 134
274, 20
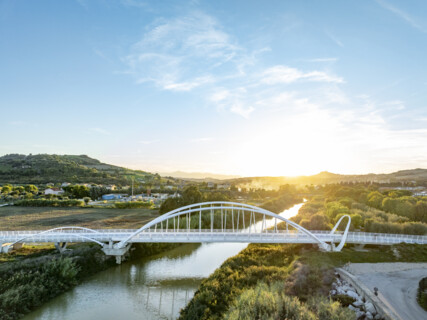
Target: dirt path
397, 284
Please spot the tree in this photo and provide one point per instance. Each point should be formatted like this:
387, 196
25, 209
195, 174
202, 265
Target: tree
31, 188
6, 189
191, 195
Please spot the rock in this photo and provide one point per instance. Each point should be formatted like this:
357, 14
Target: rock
346, 288
360, 314
340, 291
333, 292
352, 294
369, 316
353, 308
377, 316
358, 303
369, 307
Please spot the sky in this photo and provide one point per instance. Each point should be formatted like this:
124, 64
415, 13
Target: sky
235, 87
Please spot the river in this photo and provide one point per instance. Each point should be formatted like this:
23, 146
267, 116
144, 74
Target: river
155, 287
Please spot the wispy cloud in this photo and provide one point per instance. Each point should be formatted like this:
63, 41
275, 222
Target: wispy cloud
99, 130
284, 74
334, 39
193, 52
403, 15
180, 54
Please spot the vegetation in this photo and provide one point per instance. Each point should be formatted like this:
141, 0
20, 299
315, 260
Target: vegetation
44, 168
49, 203
133, 205
364, 206
269, 302
422, 293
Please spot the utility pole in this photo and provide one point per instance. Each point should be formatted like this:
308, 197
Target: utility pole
132, 186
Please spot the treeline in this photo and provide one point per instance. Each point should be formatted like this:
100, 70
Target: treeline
362, 205
283, 198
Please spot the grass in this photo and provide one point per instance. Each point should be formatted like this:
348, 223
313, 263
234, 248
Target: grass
43, 218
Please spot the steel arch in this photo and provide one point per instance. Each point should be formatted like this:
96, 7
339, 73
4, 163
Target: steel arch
219, 205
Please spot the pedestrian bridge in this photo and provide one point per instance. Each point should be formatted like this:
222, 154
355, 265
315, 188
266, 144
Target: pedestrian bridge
207, 222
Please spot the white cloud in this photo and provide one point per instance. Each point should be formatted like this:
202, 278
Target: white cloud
285, 74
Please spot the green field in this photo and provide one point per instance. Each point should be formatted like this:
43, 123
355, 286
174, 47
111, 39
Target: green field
43, 218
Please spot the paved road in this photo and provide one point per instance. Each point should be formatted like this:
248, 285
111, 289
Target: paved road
397, 284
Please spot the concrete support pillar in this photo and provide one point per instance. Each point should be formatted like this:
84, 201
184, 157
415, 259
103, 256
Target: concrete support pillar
4, 248
110, 250
61, 247
359, 246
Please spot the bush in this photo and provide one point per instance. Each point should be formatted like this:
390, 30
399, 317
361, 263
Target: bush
133, 205
49, 203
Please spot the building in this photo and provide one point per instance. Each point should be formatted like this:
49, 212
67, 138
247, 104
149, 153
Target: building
224, 186
65, 184
111, 196
111, 187
54, 191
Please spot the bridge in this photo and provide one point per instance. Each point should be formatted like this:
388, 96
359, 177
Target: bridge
216, 221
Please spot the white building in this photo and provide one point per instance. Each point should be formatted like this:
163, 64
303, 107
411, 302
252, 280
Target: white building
54, 191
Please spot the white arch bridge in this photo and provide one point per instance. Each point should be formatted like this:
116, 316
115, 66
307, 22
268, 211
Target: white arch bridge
206, 222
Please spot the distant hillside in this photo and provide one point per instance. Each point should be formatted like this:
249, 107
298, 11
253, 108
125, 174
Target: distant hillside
404, 176
45, 168
198, 175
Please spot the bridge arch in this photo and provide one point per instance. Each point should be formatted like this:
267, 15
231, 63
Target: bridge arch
220, 205
89, 231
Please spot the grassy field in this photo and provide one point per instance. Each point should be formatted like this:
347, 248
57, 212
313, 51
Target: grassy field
43, 218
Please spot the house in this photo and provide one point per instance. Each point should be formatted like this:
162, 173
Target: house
111, 187
211, 184
65, 184
224, 186
111, 196
54, 191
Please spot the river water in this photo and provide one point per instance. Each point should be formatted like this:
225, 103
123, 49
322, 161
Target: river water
156, 287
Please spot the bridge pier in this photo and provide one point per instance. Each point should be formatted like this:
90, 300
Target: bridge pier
61, 247
111, 250
4, 248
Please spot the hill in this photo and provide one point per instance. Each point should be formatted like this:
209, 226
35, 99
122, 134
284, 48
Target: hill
45, 168
205, 176
418, 176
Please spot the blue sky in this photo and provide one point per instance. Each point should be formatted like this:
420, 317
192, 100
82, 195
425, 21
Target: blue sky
238, 87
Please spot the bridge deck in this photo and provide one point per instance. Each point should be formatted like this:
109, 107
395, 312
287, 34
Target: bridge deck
197, 236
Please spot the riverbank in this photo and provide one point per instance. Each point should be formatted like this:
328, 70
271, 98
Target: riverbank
30, 279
